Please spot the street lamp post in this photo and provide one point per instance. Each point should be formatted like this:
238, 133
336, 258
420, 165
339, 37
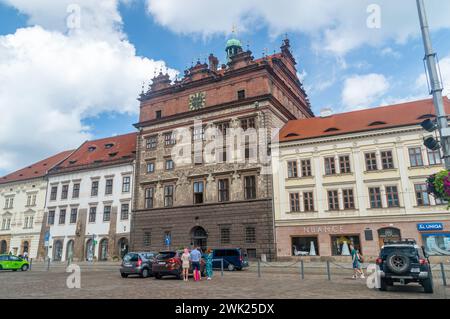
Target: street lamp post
436, 85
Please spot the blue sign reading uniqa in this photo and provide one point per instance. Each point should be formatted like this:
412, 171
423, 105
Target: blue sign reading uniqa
430, 226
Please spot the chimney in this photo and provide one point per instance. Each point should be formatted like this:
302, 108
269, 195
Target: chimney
213, 62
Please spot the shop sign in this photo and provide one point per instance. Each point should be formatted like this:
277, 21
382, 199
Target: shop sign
323, 229
430, 226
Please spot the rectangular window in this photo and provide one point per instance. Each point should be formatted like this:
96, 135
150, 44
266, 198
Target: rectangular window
392, 196
62, 216
169, 139
306, 168
333, 200
330, 166
33, 200
76, 190
308, 200
169, 165
437, 244
149, 193
349, 201
225, 237
126, 183
250, 235
151, 142
375, 197
168, 196
295, 202
241, 94
344, 164
250, 187
150, 167
247, 123
422, 196
28, 200
147, 239
305, 246
198, 133
107, 213
223, 128
415, 157
94, 188
73, 215
53, 192
387, 160
51, 217
109, 187
198, 192
158, 114
434, 157
371, 162
11, 202
224, 190
292, 169
65, 192
92, 214
341, 243
124, 211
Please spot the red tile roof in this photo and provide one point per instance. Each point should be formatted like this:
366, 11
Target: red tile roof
102, 152
36, 170
360, 121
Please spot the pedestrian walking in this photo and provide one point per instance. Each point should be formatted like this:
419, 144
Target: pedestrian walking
196, 257
185, 259
209, 264
25, 256
356, 263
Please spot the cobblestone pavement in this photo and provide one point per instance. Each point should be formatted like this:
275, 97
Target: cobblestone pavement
104, 281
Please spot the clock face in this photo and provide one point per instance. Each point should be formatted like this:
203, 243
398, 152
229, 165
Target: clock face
197, 101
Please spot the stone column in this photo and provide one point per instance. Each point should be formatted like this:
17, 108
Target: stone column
112, 240
80, 235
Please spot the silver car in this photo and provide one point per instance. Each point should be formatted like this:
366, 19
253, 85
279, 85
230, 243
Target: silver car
137, 263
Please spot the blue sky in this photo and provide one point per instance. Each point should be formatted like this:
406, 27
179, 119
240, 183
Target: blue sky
344, 65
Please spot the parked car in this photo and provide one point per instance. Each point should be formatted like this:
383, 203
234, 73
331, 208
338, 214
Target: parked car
168, 263
139, 263
404, 262
233, 258
14, 263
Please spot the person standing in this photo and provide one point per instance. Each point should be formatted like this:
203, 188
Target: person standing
356, 264
185, 259
196, 257
209, 264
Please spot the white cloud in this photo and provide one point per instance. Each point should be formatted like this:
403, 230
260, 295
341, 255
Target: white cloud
336, 26
361, 91
51, 80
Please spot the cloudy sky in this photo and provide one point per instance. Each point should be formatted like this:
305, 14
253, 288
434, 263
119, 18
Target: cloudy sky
71, 70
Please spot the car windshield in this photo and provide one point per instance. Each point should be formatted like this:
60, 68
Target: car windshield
130, 257
166, 255
410, 251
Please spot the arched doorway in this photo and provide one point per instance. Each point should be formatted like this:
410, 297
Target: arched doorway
90, 250
199, 238
123, 247
388, 234
57, 250
25, 247
69, 250
103, 250
4, 247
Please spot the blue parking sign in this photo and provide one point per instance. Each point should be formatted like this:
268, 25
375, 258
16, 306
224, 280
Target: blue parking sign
168, 240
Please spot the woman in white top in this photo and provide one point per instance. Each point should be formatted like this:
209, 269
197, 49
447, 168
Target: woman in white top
185, 259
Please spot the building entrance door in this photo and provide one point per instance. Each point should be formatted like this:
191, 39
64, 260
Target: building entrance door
388, 234
199, 238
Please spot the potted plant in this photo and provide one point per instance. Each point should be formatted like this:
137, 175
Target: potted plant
439, 185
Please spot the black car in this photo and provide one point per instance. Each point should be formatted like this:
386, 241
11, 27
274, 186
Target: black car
404, 262
139, 263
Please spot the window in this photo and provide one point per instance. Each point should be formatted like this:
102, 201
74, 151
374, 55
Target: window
248, 123
65, 192
330, 166
341, 244
76, 190
306, 168
225, 235
305, 246
251, 253
149, 193
33, 200
51, 217
308, 201
6, 223
158, 114
437, 244
151, 142
371, 162
333, 200
198, 192
387, 160
169, 165
169, 139
150, 167
415, 157
62, 216
344, 164
29, 221
107, 213
223, 128
73, 215
434, 157
375, 197
422, 196
349, 202
250, 187
92, 214
292, 169
94, 188
168, 196
109, 187
250, 235
53, 192
224, 190
28, 200
198, 133
241, 94
295, 202
124, 211
147, 239
392, 196
126, 184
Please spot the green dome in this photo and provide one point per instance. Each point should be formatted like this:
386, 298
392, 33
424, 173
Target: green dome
234, 42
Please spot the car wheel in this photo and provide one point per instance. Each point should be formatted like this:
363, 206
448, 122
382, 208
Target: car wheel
144, 273
428, 286
398, 263
383, 285
231, 267
24, 268
123, 275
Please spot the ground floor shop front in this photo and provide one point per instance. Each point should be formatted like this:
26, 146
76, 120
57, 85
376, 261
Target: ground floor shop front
19, 244
334, 239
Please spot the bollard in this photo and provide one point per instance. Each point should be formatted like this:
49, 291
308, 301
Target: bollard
48, 264
259, 269
302, 269
221, 266
31, 263
444, 279
328, 270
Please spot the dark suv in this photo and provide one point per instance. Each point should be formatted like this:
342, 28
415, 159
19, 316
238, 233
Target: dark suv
404, 262
139, 263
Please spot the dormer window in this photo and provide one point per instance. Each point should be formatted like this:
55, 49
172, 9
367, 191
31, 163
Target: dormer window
72, 162
112, 154
331, 129
376, 123
292, 135
91, 149
426, 116
109, 145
